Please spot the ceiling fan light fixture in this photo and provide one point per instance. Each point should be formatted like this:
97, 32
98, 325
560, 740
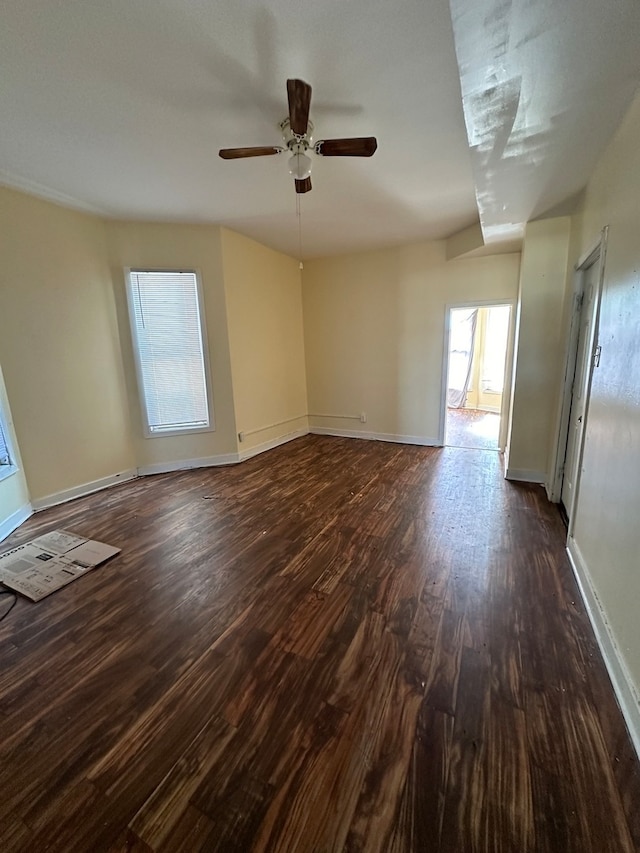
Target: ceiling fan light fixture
297, 134
300, 166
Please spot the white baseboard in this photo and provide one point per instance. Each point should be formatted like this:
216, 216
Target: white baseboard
187, 464
525, 475
626, 691
15, 520
377, 436
269, 445
82, 490
221, 459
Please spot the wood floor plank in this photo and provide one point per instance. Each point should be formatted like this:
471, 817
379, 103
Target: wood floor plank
191, 834
388, 755
163, 810
338, 645
418, 822
510, 803
442, 686
465, 823
16, 836
313, 806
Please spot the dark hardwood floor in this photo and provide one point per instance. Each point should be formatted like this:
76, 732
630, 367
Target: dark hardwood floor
336, 646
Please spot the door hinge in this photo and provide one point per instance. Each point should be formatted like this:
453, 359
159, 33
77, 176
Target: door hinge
596, 356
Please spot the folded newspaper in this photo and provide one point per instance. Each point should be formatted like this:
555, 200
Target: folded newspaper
50, 562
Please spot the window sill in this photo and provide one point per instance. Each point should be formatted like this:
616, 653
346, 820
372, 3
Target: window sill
172, 433
7, 471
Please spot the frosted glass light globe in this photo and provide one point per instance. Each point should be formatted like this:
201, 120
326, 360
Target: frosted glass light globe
300, 166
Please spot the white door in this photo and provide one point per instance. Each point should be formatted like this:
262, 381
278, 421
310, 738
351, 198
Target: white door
580, 389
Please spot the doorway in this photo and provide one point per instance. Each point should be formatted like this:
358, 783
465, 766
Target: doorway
476, 367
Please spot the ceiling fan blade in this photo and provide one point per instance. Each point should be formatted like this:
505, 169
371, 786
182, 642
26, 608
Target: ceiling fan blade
236, 153
362, 146
303, 186
299, 94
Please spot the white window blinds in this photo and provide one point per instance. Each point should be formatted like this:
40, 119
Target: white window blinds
167, 325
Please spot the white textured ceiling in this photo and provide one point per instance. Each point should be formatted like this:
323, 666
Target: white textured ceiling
120, 106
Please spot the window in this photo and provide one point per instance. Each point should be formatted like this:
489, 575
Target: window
495, 349
5, 458
7, 465
169, 341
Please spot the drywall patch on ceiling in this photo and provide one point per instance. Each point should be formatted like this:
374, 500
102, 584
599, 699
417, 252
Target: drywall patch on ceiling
544, 87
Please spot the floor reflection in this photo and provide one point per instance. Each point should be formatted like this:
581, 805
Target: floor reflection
472, 428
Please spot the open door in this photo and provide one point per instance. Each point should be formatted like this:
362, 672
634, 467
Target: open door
583, 354
475, 390
580, 387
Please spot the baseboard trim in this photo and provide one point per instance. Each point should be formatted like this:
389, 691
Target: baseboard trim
219, 460
83, 490
188, 464
15, 520
422, 440
269, 445
626, 692
525, 475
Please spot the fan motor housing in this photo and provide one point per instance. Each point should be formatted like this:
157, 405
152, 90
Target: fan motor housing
295, 143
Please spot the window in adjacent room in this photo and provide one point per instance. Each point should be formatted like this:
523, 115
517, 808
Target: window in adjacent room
169, 341
495, 348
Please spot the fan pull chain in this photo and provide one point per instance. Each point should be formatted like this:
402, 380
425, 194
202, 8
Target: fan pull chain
299, 215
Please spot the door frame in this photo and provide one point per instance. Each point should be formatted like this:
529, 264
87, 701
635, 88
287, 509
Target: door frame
508, 364
595, 255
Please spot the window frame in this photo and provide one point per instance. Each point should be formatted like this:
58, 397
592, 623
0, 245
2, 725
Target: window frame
189, 430
6, 470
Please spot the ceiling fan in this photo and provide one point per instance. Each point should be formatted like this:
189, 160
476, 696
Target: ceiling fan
297, 134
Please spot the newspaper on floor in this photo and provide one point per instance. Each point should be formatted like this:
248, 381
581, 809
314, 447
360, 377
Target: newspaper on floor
50, 562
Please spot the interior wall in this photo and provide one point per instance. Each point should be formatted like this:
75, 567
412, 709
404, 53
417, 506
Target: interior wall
144, 245
539, 347
264, 318
374, 334
14, 493
606, 516
59, 345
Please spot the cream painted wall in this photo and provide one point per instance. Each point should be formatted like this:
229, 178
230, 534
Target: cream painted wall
608, 508
59, 345
14, 494
264, 318
539, 347
170, 246
374, 333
